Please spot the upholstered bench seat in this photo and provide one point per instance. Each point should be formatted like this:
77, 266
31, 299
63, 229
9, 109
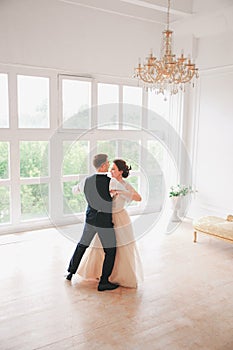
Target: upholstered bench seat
215, 226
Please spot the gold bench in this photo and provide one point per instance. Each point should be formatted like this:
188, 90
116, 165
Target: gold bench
214, 226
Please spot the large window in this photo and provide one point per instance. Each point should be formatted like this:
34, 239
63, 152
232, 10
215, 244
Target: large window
33, 102
75, 163
34, 159
131, 151
108, 147
132, 107
75, 157
4, 160
159, 105
4, 176
4, 101
34, 168
76, 103
51, 125
4, 204
4, 189
34, 201
108, 106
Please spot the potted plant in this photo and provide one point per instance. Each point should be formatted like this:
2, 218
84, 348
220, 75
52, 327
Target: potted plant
176, 193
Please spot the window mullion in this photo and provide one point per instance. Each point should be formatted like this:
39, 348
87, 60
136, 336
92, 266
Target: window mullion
120, 107
15, 181
53, 106
56, 193
94, 108
13, 112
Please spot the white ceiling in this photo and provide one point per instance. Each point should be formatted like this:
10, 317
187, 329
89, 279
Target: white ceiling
147, 10
196, 17
155, 10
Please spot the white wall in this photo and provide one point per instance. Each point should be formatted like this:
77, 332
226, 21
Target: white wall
214, 158
69, 37
209, 122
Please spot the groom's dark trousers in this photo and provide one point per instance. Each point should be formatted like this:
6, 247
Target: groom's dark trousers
98, 220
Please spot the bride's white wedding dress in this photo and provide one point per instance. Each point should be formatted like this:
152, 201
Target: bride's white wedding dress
127, 270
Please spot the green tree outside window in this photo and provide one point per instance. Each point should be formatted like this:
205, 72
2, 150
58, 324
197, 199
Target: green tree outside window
4, 151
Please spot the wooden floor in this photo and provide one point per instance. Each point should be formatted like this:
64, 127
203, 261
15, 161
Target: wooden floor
185, 301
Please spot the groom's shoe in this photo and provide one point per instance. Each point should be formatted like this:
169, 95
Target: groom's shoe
69, 276
107, 286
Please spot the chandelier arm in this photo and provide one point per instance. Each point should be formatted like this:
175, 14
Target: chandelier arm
184, 75
145, 79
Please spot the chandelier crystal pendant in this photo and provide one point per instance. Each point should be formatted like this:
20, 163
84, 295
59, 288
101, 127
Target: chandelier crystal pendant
167, 74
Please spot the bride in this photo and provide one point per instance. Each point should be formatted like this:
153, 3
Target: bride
127, 270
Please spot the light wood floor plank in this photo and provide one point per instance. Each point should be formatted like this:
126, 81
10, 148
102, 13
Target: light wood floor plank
185, 301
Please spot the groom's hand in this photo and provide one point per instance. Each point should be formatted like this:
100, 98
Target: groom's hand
114, 193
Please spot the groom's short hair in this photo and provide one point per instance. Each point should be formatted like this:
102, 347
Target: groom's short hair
99, 159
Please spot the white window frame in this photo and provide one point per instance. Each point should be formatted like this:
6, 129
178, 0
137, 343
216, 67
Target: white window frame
56, 135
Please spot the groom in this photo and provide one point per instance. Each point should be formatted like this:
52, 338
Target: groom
98, 220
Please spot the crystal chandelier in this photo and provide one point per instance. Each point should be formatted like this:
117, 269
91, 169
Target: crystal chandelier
167, 74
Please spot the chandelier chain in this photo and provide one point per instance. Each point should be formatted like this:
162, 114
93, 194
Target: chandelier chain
168, 14
167, 74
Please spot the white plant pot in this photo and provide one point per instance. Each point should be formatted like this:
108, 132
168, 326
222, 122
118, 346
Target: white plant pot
175, 204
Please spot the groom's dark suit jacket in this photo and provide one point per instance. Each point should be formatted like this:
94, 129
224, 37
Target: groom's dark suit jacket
99, 209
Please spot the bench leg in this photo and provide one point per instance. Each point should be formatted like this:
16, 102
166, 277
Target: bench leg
195, 236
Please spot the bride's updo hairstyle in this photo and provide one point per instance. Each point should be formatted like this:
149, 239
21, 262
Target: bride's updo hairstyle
122, 166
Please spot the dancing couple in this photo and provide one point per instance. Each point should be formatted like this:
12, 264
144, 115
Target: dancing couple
112, 256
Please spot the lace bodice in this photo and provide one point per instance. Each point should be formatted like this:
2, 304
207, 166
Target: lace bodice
120, 201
